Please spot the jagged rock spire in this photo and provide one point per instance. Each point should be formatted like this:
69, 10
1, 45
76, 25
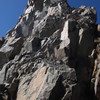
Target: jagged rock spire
39, 3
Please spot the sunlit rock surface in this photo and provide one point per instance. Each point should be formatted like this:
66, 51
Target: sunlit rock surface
48, 55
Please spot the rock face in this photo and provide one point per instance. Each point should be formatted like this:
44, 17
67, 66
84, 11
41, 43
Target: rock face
48, 55
2, 40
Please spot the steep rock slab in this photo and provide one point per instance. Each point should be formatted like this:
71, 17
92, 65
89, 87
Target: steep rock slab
35, 85
45, 84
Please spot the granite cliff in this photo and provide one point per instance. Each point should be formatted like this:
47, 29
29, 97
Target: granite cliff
52, 53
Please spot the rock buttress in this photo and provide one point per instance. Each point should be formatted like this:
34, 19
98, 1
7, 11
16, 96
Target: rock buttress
48, 53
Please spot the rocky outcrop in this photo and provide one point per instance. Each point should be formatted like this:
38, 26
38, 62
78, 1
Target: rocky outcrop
96, 71
2, 40
44, 85
48, 55
10, 49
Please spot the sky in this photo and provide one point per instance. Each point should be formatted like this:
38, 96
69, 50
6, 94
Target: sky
10, 10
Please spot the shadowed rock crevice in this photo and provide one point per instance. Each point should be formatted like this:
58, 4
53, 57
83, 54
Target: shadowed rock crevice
58, 91
38, 4
84, 70
4, 93
13, 89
